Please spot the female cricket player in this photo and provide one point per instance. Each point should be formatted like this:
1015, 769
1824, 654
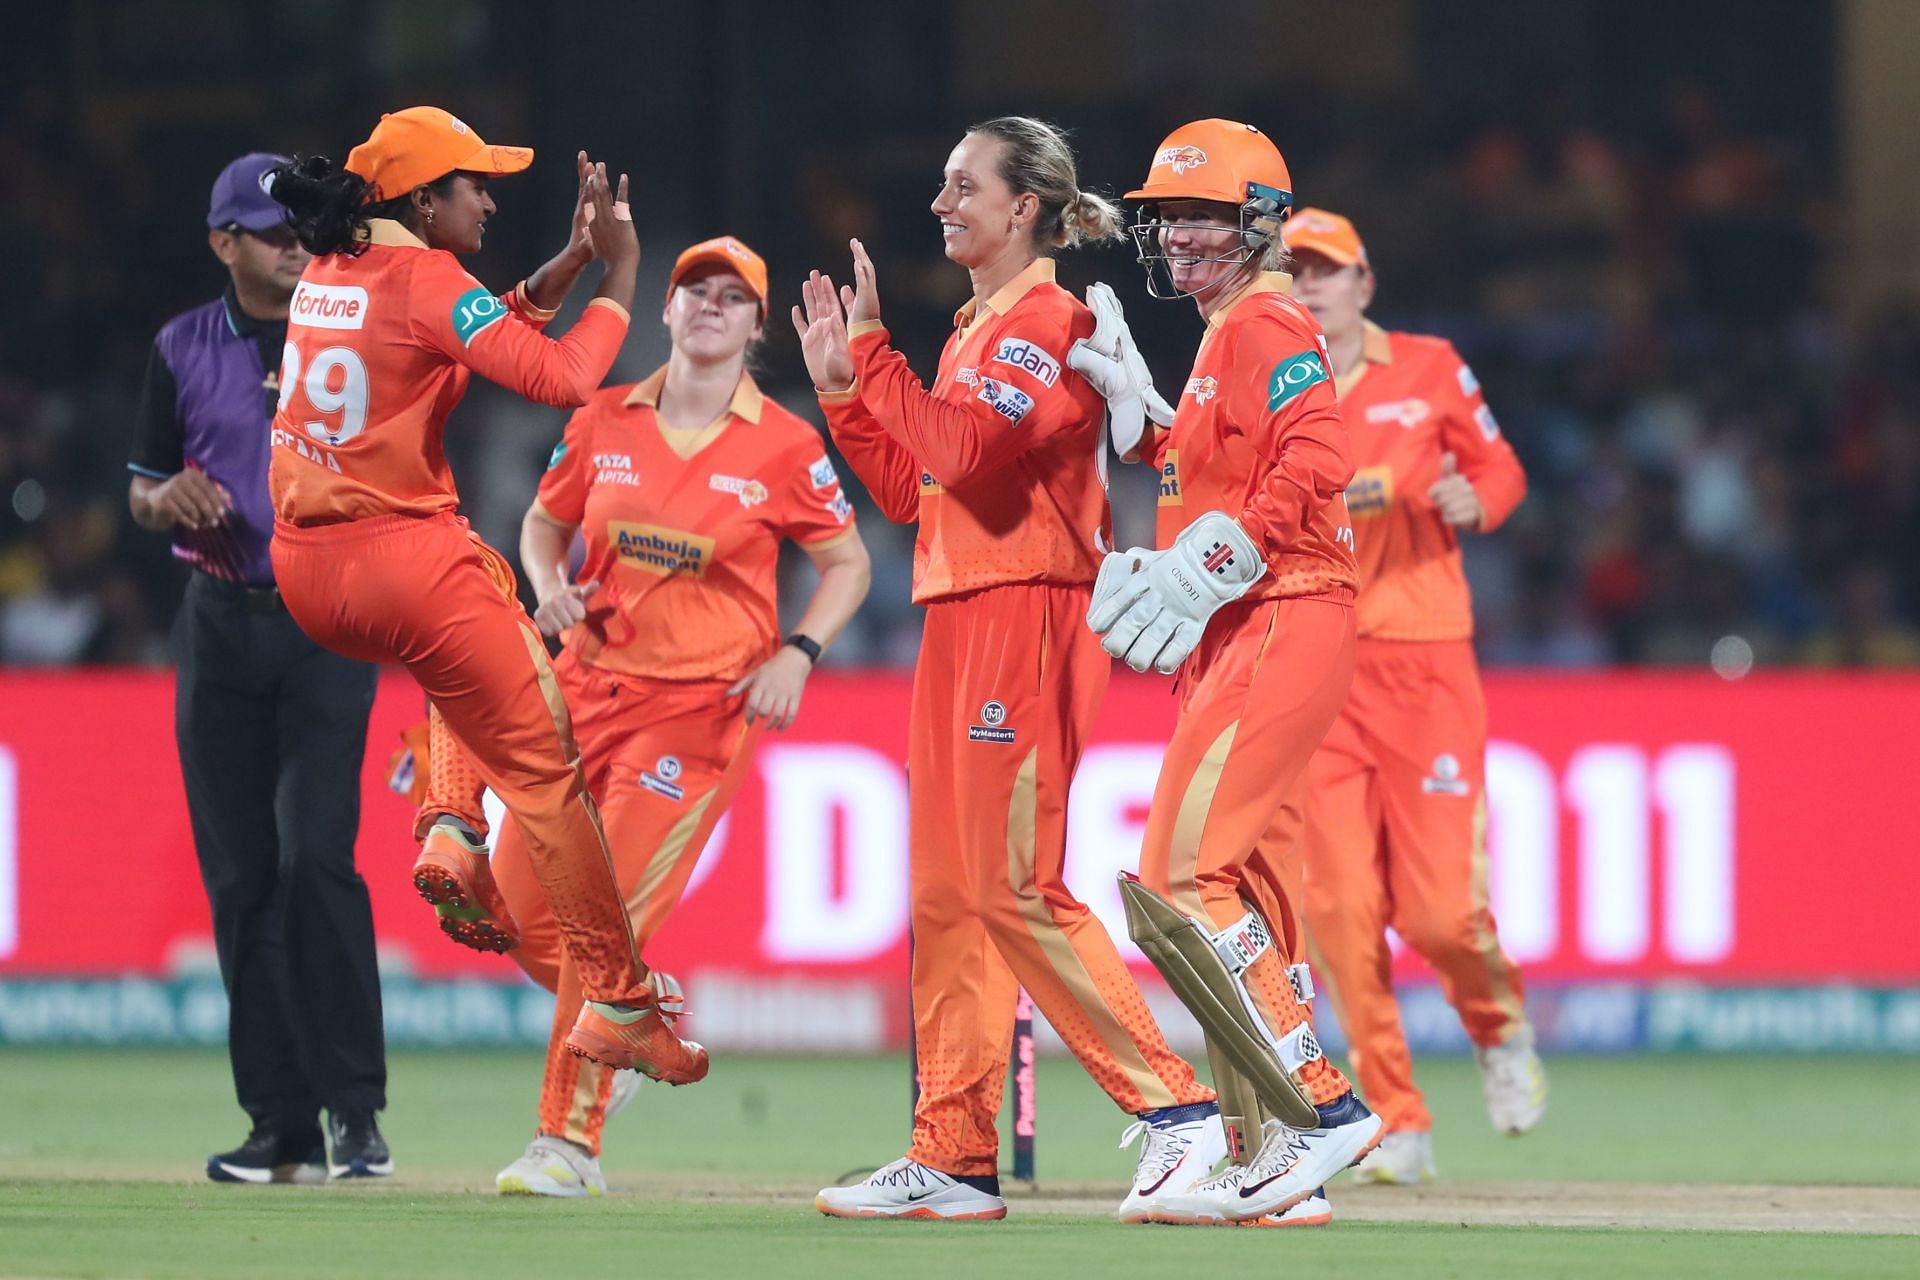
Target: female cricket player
1000, 463
1396, 812
684, 486
384, 330
1251, 601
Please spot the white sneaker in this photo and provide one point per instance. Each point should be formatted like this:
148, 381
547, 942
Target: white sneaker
908, 1189
1207, 1203
626, 1083
1514, 1082
1293, 1163
1403, 1158
552, 1167
1314, 1211
1173, 1157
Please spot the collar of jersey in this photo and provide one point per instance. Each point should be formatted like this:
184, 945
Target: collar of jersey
745, 404
388, 231
1376, 347
1039, 272
1265, 282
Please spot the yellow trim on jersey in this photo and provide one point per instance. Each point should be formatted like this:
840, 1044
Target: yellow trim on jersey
392, 233
747, 402
1265, 282
1038, 272
626, 317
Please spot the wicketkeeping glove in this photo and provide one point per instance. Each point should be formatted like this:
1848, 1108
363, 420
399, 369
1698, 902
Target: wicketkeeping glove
1113, 365
1150, 608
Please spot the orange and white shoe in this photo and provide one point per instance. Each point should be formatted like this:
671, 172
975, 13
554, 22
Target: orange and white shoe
640, 1038
453, 874
908, 1189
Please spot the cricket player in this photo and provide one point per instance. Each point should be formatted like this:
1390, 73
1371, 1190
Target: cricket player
1396, 808
1250, 600
383, 332
684, 486
1000, 462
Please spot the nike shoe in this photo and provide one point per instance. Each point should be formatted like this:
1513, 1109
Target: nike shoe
1291, 1162
641, 1039
908, 1189
1314, 1211
1404, 1158
1514, 1082
267, 1156
552, 1167
356, 1149
453, 874
1179, 1147
1209, 1202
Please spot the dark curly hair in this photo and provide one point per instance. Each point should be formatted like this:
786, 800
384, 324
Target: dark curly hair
328, 206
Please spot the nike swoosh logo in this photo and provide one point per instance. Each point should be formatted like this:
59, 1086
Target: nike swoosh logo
1163, 1182
913, 1196
1247, 1193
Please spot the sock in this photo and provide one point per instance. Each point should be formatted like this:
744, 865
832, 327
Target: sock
1163, 1116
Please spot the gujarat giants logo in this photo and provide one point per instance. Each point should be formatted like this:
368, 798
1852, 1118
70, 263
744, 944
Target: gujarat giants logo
1203, 389
1180, 159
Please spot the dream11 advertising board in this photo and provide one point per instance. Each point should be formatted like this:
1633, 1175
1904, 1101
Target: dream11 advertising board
1672, 832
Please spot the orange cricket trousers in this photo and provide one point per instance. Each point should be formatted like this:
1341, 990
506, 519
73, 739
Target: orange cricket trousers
665, 758
1007, 685
1224, 832
428, 593
1396, 835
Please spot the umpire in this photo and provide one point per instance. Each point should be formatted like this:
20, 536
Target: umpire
271, 727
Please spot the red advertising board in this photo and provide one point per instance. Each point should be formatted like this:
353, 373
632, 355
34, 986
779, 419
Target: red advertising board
1642, 827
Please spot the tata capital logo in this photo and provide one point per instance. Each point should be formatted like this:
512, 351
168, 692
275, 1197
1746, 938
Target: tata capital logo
1180, 159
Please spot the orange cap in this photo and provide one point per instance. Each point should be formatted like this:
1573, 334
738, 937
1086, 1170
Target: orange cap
422, 144
729, 253
1215, 160
1327, 234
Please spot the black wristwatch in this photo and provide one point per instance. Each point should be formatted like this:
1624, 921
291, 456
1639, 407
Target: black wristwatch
807, 645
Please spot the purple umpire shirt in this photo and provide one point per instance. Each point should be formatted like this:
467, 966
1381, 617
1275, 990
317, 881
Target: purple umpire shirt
211, 385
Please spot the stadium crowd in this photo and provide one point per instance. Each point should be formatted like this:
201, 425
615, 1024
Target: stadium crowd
1714, 451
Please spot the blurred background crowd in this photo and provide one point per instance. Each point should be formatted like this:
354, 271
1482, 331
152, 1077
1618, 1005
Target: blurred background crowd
1640, 222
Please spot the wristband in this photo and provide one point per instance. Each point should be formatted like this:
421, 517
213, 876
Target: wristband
807, 645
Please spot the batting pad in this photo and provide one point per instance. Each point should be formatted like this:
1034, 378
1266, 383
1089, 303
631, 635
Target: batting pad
1188, 957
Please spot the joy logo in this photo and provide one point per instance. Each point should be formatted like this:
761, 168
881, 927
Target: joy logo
1181, 159
1022, 354
1291, 377
328, 306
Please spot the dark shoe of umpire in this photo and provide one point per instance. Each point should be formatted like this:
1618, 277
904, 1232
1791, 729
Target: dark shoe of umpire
357, 1149
268, 1155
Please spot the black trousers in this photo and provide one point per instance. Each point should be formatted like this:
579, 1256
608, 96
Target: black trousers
272, 730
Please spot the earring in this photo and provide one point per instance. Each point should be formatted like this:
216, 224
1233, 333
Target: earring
429, 217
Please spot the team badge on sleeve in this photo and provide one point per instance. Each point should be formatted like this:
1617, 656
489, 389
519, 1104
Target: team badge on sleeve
1469, 385
841, 509
559, 452
1489, 425
822, 474
1292, 376
474, 310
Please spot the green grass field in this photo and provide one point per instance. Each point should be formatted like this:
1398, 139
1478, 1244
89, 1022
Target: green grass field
100, 1159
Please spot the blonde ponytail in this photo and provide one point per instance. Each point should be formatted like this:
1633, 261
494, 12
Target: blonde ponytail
1036, 160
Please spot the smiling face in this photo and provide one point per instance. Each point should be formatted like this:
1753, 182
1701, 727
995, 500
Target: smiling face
980, 216
459, 217
1202, 243
1337, 295
712, 315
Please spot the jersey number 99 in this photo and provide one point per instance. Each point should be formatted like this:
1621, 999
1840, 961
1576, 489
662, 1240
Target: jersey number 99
348, 399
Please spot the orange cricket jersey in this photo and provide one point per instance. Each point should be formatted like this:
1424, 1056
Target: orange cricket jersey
1412, 399
379, 348
1002, 461
686, 548
1257, 433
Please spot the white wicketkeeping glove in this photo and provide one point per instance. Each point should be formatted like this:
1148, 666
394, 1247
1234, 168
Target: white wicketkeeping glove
1150, 608
1113, 365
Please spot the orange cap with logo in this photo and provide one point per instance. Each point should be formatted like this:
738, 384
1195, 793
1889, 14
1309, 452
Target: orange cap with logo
729, 253
1215, 160
1327, 234
423, 144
